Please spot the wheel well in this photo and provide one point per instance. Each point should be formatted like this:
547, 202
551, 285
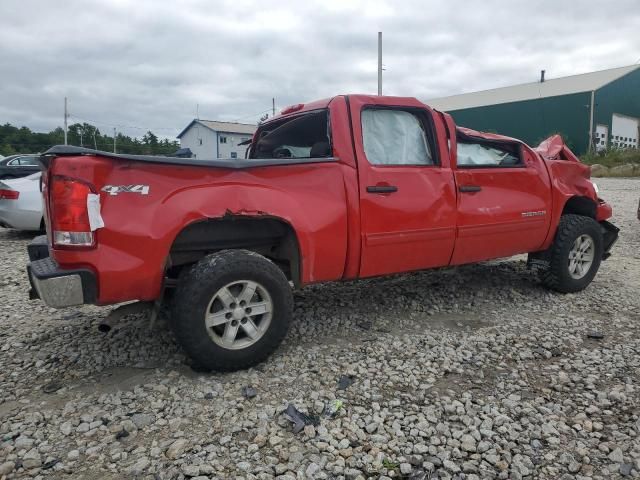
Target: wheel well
580, 206
270, 237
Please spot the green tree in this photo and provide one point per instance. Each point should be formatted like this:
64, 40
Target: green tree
24, 140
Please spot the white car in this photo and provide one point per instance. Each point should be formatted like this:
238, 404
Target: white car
21, 203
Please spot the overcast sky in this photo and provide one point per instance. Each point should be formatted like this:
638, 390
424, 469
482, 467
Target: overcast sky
147, 63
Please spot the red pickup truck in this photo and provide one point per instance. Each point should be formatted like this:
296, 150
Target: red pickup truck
349, 187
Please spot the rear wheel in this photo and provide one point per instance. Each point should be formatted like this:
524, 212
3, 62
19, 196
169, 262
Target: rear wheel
575, 255
231, 310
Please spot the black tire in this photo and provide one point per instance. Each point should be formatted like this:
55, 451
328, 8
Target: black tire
557, 276
197, 288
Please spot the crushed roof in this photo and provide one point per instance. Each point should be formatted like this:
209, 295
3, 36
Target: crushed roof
585, 82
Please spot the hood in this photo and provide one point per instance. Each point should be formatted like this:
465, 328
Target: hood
554, 148
469, 132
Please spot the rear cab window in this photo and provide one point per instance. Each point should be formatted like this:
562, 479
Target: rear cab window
305, 135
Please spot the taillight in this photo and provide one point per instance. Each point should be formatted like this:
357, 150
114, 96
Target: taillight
9, 194
69, 214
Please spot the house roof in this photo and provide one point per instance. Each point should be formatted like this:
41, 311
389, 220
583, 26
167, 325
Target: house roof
227, 127
585, 82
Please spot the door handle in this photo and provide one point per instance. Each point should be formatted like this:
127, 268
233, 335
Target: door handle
382, 189
469, 188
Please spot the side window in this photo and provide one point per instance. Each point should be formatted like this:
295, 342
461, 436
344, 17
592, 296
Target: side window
14, 163
395, 137
487, 154
29, 161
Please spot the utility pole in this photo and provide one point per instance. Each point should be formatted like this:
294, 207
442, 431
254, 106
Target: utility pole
379, 63
114, 139
591, 108
95, 144
273, 106
66, 115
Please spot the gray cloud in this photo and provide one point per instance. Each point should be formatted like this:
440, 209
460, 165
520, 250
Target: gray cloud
148, 63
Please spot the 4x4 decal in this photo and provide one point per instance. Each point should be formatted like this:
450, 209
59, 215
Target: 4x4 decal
116, 189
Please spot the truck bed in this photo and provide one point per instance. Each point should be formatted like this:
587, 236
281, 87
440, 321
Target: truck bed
231, 163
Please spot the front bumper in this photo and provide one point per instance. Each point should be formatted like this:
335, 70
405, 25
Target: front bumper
609, 237
56, 287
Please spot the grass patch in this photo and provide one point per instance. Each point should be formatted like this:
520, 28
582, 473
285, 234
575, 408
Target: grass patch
613, 157
389, 464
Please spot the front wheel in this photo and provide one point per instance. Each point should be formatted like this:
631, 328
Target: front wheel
575, 255
231, 310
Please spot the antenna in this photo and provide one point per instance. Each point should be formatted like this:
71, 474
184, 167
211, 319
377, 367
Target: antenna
66, 116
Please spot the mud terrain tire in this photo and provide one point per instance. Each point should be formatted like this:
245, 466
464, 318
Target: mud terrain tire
572, 232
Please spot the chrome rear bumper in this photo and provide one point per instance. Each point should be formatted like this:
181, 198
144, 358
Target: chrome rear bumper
56, 287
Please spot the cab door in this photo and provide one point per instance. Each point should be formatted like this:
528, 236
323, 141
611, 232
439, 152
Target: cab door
407, 190
504, 199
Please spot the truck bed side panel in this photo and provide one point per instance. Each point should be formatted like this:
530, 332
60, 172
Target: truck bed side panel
134, 245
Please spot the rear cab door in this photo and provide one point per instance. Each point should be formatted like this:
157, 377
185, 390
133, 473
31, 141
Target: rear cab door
406, 185
504, 197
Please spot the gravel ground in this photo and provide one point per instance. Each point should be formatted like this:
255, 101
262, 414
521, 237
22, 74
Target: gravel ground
468, 373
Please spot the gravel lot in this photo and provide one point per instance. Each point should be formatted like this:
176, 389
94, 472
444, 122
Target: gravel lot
471, 373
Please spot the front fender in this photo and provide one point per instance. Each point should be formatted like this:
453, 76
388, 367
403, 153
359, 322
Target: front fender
569, 179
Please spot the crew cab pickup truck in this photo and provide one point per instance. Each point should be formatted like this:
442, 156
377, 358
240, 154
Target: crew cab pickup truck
345, 188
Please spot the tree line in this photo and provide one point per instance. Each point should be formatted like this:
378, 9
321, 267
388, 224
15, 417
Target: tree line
23, 140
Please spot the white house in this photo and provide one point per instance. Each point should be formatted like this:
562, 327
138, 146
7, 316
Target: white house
210, 139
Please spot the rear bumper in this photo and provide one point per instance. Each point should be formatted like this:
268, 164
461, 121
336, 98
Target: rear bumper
56, 287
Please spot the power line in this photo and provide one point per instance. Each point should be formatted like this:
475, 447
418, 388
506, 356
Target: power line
122, 126
174, 129
272, 108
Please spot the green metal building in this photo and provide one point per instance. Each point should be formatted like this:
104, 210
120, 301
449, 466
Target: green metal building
601, 108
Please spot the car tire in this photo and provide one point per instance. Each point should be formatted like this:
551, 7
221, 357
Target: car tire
575, 255
231, 310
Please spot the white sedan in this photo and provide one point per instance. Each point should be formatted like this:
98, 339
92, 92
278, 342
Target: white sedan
21, 203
